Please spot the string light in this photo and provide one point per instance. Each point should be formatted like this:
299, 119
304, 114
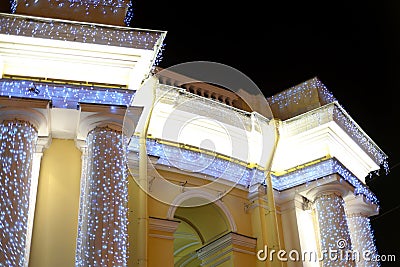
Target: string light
333, 228
88, 5
102, 228
17, 145
341, 117
129, 14
78, 32
13, 6
330, 110
193, 161
296, 94
159, 56
362, 239
65, 96
319, 170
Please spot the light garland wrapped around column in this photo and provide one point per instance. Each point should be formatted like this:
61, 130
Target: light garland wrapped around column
17, 146
334, 232
362, 239
102, 229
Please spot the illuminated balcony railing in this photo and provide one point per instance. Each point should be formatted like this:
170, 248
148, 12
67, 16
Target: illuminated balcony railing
334, 112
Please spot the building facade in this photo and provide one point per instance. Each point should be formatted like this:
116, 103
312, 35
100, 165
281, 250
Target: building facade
108, 160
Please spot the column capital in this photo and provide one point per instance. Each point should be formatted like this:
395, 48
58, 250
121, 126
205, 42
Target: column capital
331, 184
256, 191
93, 116
35, 114
162, 228
359, 205
42, 143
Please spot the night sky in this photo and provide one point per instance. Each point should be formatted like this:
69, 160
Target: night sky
353, 47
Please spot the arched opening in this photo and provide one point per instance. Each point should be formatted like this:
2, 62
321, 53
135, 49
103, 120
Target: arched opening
198, 227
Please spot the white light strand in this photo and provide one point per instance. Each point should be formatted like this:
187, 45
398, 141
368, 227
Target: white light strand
333, 228
17, 146
78, 32
65, 96
294, 95
105, 6
362, 239
102, 238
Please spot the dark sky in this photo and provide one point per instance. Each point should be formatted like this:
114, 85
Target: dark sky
352, 47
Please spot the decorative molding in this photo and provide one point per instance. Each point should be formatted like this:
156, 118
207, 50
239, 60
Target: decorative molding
229, 239
244, 241
97, 117
163, 225
317, 174
35, 116
42, 143
359, 205
329, 129
330, 185
162, 236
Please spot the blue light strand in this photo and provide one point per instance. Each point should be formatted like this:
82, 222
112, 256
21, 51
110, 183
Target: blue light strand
320, 170
159, 56
17, 146
13, 6
129, 14
197, 162
95, 3
65, 96
103, 218
78, 32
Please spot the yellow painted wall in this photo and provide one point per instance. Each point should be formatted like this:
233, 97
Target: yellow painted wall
161, 250
56, 214
133, 190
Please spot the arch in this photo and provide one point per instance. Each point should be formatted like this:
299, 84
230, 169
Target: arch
205, 195
33, 116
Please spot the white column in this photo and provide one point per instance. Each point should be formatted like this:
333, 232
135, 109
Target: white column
102, 231
298, 228
41, 144
17, 147
362, 237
